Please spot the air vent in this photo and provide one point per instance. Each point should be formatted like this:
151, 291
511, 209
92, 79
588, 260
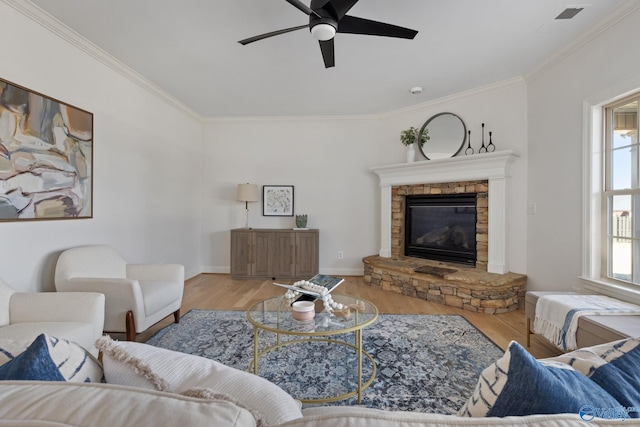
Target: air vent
569, 12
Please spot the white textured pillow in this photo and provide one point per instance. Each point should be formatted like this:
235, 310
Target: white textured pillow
145, 366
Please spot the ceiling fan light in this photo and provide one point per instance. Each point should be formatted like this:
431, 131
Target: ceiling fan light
323, 32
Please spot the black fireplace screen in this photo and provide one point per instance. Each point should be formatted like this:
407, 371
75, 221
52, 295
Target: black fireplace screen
441, 227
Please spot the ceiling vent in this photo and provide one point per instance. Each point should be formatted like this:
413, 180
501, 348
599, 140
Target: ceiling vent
569, 12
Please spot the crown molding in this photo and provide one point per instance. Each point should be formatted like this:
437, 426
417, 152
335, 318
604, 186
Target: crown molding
619, 14
257, 119
495, 165
379, 116
514, 81
44, 19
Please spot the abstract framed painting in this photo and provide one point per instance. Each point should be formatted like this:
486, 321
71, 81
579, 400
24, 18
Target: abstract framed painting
277, 200
46, 157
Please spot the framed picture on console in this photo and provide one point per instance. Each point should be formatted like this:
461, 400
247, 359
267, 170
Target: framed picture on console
46, 157
277, 200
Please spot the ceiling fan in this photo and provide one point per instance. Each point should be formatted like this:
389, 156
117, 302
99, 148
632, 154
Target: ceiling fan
328, 17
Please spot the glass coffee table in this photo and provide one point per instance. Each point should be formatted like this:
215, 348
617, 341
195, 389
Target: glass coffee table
274, 315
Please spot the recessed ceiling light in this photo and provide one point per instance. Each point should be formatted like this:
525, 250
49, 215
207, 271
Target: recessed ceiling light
416, 90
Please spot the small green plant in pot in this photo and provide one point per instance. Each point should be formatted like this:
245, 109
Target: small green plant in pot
410, 136
301, 221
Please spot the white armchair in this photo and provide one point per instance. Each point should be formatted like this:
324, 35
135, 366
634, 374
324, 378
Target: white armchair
137, 295
77, 317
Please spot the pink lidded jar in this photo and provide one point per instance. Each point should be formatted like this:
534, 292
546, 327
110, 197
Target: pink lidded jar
303, 310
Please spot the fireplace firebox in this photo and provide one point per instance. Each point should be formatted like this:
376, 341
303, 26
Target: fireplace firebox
441, 227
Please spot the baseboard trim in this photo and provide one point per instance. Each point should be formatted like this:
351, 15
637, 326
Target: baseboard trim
343, 271
214, 269
359, 271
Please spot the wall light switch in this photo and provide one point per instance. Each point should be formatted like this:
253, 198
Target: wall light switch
532, 208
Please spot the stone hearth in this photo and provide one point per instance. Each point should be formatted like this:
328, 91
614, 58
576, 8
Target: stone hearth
448, 284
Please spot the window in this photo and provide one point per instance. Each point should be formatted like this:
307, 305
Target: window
621, 196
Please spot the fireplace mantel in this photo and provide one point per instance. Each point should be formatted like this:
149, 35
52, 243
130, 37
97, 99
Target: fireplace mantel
494, 167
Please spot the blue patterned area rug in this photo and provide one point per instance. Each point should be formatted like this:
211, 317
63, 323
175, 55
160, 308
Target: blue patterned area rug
425, 363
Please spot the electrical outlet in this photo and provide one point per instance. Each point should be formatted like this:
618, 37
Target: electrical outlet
340, 255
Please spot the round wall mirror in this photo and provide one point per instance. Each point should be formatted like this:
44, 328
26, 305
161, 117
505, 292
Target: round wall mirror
447, 134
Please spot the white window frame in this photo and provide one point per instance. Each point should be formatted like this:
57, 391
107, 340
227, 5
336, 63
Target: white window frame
593, 279
633, 192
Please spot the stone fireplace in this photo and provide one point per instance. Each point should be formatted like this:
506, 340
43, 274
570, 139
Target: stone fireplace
399, 196
488, 286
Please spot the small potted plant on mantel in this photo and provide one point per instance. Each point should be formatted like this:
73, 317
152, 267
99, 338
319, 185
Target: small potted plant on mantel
408, 137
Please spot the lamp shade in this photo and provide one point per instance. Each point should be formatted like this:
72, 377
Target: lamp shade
248, 193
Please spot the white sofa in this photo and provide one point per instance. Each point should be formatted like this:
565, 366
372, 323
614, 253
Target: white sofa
32, 403
149, 386
77, 316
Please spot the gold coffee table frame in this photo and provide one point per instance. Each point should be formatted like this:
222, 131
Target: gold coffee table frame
274, 315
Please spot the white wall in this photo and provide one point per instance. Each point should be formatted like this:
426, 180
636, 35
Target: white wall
147, 163
556, 143
502, 108
328, 160
165, 183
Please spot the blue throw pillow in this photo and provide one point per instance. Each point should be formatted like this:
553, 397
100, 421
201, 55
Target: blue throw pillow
32, 364
52, 359
517, 384
620, 376
615, 366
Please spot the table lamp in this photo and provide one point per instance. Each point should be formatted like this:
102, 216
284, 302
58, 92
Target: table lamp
247, 193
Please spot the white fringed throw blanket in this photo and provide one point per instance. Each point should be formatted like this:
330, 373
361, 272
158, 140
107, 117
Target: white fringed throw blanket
557, 315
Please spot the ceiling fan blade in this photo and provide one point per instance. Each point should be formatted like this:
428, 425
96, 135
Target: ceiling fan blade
271, 34
327, 53
303, 7
341, 7
354, 25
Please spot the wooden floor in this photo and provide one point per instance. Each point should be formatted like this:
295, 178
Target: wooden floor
221, 292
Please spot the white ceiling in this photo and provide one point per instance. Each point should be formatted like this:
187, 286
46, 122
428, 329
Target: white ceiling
189, 49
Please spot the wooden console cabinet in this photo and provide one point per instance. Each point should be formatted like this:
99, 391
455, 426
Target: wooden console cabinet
274, 253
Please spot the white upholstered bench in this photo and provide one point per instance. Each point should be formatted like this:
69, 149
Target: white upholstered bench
592, 330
